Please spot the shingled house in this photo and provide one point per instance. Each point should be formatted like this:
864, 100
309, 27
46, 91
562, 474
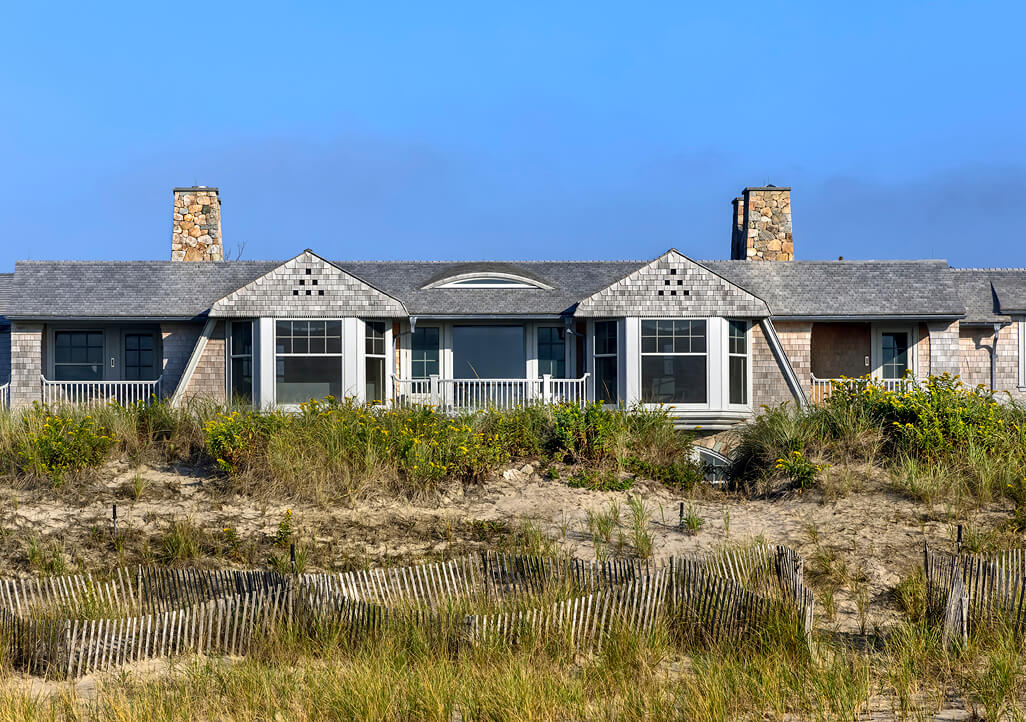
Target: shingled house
713, 340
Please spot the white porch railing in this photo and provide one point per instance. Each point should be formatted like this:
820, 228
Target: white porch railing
96, 393
821, 388
5, 395
471, 394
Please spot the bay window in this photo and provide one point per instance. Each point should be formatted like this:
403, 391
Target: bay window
674, 362
308, 360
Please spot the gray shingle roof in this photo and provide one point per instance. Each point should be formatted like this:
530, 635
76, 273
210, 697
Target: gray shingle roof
165, 289
6, 282
991, 294
847, 288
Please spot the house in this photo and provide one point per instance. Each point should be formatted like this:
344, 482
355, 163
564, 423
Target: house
712, 340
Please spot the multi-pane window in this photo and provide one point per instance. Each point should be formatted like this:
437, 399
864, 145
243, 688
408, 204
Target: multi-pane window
424, 353
78, 356
240, 353
894, 349
374, 352
674, 363
552, 351
737, 361
308, 360
605, 362
138, 356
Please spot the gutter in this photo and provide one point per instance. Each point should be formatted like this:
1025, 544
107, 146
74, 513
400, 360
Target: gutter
797, 389
874, 317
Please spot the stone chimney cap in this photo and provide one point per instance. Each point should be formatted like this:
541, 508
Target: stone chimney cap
767, 188
186, 189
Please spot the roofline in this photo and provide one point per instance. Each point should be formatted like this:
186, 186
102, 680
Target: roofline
873, 317
197, 318
488, 316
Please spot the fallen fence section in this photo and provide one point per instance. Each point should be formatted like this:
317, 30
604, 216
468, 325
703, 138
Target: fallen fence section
72, 625
964, 591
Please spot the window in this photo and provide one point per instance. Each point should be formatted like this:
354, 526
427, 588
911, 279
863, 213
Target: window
737, 361
673, 362
138, 356
894, 349
78, 356
374, 340
488, 352
240, 354
424, 353
606, 377
308, 360
552, 351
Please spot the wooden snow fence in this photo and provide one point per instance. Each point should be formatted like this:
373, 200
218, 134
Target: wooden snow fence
72, 625
966, 590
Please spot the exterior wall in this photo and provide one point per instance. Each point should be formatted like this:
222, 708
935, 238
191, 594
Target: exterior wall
658, 290
922, 369
177, 340
26, 363
944, 348
840, 349
196, 225
208, 379
975, 344
5, 355
769, 384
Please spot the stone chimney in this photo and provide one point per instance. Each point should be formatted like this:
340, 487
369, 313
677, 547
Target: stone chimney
196, 225
761, 222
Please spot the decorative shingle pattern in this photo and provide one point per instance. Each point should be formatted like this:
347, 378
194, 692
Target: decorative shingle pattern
208, 378
847, 288
178, 340
943, 347
675, 286
26, 363
307, 287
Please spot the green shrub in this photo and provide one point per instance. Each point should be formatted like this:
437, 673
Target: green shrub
234, 439
56, 445
798, 469
599, 480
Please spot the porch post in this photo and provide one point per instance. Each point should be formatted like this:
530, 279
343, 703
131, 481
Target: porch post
546, 388
434, 390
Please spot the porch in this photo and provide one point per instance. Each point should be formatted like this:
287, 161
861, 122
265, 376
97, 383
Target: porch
97, 393
887, 352
460, 395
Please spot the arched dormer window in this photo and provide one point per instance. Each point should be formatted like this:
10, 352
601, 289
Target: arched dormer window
487, 279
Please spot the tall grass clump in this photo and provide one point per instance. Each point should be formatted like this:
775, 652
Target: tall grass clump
939, 436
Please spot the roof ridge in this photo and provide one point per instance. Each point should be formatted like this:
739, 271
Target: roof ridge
988, 268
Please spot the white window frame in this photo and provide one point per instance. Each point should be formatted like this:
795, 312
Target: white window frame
877, 351
710, 360
595, 355
231, 356
386, 337
728, 354
340, 355
1020, 328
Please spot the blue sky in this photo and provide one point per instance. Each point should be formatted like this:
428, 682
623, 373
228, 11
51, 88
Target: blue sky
513, 130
